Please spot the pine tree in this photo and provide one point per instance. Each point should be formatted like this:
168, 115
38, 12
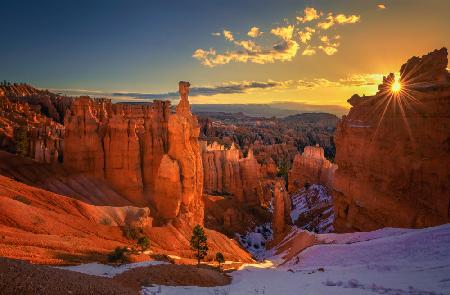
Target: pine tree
219, 258
198, 243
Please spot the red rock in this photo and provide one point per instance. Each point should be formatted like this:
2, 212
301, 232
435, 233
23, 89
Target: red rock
137, 149
226, 172
281, 210
311, 167
392, 152
123, 158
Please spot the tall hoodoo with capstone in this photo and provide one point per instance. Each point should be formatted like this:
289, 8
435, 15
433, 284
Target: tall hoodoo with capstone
147, 154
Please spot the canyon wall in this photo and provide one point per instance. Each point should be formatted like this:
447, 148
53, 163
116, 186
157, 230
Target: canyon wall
393, 151
226, 172
146, 153
311, 167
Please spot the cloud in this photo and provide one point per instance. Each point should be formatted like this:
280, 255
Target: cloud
228, 35
228, 88
236, 87
340, 19
254, 32
216, 34
381, 6
310, 14
329, 46
309, 51
306, 35
284, 33
283, 51
250, 51
357, 80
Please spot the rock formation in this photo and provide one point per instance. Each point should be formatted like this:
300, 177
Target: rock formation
44, 102
26, 132
281, 210
311, 167
139, 150
226, 172
393, 151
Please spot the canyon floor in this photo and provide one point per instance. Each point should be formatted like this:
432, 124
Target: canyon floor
386, 261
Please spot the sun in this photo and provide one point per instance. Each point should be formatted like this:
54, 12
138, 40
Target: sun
396, 86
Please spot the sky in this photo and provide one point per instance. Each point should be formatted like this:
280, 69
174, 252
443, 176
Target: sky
236, 51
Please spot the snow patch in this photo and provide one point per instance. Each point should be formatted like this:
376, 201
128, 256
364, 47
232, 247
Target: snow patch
255, 241
109, 271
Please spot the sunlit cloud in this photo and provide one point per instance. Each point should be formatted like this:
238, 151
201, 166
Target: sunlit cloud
284, 33
235, 87
309, 51
306, 34
381, 6
290, 35
254, 32
310, 14
228, 35
329, 46
340, 19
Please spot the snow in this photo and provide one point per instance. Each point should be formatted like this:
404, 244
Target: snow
387, 261
255, 241
109, 271
314, 207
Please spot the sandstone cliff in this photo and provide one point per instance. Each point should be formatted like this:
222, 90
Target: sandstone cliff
393, 151
311, 167
226, 172
139, 150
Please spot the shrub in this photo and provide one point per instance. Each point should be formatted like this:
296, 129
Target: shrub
120, 254
132, 232
144, 243
219, 258
106, 221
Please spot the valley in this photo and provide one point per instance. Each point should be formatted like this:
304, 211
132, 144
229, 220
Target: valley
312, 202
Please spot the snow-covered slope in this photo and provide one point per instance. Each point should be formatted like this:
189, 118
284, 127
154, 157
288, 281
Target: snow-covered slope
312, 209
387, 261
255, 241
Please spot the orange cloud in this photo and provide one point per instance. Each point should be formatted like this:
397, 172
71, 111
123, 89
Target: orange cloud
284, 33
310, 14
254, 32
341, 19
306, 35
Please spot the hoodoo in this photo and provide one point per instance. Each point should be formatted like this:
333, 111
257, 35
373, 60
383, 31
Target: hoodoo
393, 151
138, 149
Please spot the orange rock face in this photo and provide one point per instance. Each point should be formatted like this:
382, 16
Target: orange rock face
281, 210
226, 172
145, 153
393, 151
311, 167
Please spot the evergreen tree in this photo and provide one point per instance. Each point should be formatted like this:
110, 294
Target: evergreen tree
219, 258
198, 243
